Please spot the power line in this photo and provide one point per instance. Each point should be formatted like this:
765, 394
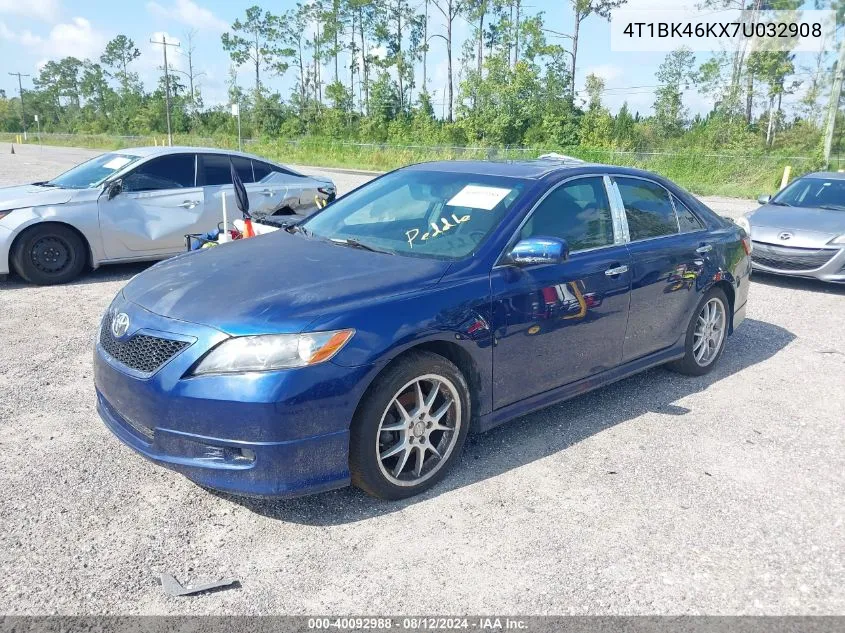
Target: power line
20, 94
164, 44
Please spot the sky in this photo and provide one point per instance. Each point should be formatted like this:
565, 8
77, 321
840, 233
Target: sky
34, 31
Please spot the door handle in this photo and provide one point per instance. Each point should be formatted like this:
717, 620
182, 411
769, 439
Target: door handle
612, 272
704, 248
189, 204
267, 192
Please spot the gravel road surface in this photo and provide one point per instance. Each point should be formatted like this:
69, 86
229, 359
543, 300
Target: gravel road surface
659, 494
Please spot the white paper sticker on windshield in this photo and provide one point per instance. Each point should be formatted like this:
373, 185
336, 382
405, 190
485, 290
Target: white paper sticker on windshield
478, 197
117, 162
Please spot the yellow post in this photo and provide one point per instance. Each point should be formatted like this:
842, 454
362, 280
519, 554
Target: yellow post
155, 140
785, 180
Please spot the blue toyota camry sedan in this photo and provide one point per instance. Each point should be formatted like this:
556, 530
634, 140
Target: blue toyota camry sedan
363, 344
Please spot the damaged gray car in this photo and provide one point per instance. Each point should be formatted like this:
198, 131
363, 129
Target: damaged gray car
138, 204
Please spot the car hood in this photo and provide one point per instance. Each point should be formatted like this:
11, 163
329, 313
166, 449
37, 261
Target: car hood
276, 282
23, 196
823, 221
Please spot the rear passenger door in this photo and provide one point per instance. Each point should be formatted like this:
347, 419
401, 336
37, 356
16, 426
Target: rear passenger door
668, 254
215, 175
270, 191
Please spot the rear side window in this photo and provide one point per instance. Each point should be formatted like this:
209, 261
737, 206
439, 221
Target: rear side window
648, 208
261, 170
216, 170
687, 221
578, 212
174, 171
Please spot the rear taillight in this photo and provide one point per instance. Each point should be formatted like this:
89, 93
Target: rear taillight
746, 244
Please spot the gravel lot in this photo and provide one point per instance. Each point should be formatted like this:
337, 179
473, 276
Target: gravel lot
660, 494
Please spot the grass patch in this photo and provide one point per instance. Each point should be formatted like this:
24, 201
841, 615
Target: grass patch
703, 173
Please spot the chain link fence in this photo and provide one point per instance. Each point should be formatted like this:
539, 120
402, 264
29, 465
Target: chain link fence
706, 172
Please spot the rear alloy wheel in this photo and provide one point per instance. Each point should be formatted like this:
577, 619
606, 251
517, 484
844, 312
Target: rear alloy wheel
410, 428
49, 254
706, 335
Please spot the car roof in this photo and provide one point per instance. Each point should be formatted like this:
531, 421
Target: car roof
829, 175
162, 150
536, 169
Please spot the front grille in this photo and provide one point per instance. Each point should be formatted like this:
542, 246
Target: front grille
141, 352
789, 257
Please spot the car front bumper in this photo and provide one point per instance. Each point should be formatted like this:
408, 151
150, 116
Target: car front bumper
279, 434
825, 264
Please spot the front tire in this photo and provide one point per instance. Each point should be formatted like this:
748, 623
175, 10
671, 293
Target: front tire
706, 335
48, 254
410, 427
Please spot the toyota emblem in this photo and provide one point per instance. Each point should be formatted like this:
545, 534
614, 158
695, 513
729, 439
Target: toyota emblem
784, 236
120, 324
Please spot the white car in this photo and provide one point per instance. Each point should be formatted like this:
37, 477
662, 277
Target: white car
138, 204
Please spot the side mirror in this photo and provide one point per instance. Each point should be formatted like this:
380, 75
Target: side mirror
539, 250
114, 188
764, 199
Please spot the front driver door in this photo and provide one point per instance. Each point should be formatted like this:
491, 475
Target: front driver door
558, 323
158, 205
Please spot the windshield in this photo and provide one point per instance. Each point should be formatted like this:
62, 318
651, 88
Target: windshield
93, 172
826, 193
419, 213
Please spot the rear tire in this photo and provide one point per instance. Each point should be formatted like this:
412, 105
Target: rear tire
706, 335
410, 427
48, 254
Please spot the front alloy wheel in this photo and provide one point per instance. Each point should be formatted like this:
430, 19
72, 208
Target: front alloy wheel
418, 430
410, 426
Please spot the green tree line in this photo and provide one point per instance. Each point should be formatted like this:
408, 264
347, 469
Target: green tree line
360, 71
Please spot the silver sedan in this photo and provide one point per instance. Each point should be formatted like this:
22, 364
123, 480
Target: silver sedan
138, 204
801, 230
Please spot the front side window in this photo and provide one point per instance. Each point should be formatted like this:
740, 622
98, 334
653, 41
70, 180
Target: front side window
174, 171
578, 212
648, 208
419, 213
94, 172
216, 169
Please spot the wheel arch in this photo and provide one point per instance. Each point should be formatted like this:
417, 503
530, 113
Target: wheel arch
89, 253
728, 288
454, 353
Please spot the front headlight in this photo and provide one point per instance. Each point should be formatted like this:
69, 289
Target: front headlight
839, 241
272, 351
744, 223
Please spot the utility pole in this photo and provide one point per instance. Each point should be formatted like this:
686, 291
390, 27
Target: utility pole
164, 44
20, 93
833, 106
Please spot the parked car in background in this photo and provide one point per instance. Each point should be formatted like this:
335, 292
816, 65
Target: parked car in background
137, 204
434, 299
801, 230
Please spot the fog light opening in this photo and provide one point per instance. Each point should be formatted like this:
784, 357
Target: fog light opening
240, 455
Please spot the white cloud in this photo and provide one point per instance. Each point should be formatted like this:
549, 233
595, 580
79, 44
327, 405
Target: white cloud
46, 10
189, 13
77, 38
25, 38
